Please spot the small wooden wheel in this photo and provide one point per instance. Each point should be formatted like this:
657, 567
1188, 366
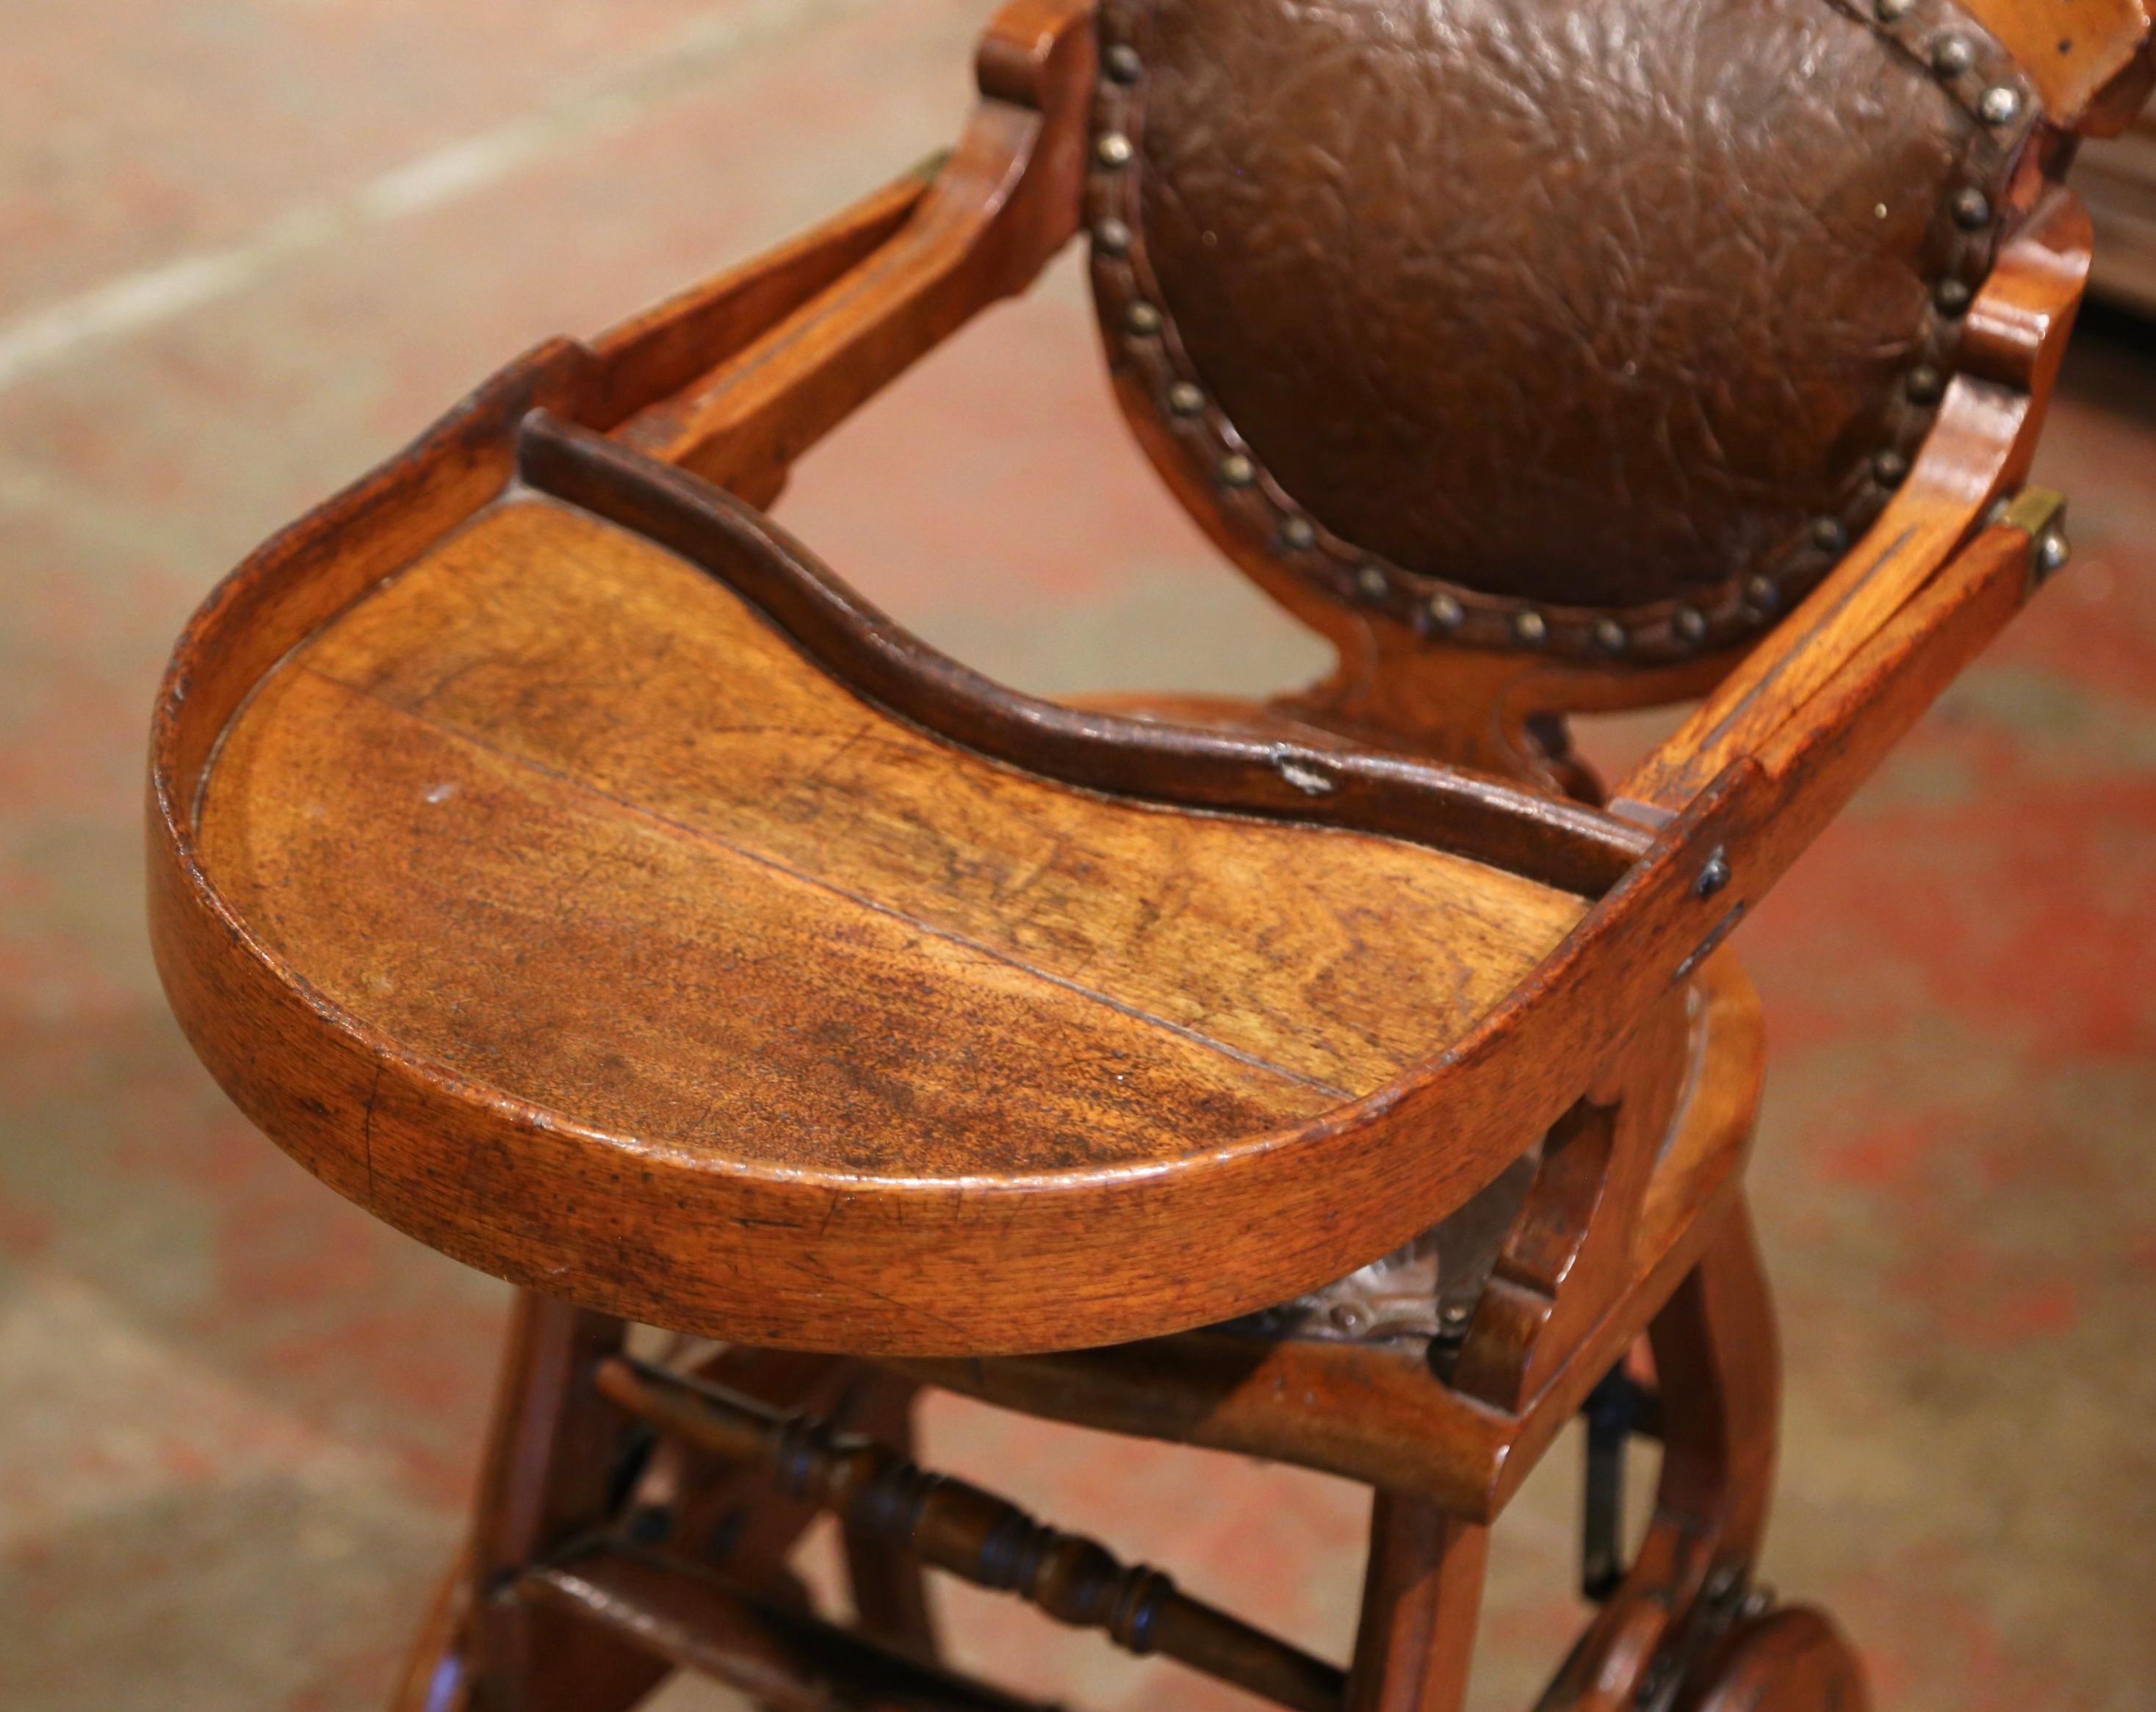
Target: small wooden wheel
1791, 1660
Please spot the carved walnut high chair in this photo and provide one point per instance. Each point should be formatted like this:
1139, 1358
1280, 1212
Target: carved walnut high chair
559, 861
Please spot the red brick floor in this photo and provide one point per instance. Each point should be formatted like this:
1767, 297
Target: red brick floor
251, 245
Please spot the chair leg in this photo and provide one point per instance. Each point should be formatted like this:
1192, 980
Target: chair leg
550, 1475
1680, 1629
890, 1586
1421, 1595
437, 1670
548, 1471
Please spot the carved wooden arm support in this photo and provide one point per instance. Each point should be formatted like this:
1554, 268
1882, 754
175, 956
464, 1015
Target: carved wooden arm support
1784, 741
738, 377
2093, 62
1979, 450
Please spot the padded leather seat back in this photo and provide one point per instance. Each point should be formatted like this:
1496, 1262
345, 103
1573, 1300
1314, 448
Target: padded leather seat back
1599, 326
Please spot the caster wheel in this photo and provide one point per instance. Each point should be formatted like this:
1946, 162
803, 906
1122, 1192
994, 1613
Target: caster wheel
1790, 1660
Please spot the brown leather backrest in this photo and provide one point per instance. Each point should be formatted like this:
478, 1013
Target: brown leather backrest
1596, 326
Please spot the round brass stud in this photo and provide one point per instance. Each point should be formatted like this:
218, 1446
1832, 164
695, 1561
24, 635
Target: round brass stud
1891, 11
1142, 319
1609, 636
1690, 624
1925, 384
1998, 105
1111, 237
1297, 533
1889, 468
1531, 627
1122, 64
1113, 149
1237, 471
1445, 612
1952, 296
1972, 208
1828, 535
1185, 399
1761, 596
1952, 55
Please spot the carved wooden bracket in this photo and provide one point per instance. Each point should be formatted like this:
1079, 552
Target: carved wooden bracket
1570, 1252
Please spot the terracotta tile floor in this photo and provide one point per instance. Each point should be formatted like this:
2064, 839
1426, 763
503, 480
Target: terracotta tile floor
247, 247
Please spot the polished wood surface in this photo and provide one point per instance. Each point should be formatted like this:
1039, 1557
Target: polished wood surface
605, 762
1374, 1412
1054, 982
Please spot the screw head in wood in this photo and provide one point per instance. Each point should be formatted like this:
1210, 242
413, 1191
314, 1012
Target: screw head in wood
1122, 64
1113, 149
1445, 612
1142, 319
1690, 623
1714, 875
1237, 471
1972, 208
1889, 468
1998, 105
1952, 55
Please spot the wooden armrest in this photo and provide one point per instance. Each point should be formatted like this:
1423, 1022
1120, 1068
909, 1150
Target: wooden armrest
848, 308
2093, 62
1978, 451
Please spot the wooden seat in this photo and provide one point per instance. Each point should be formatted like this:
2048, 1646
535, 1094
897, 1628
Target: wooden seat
559, 814
557, 859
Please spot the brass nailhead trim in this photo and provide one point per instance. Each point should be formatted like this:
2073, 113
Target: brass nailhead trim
1951, 56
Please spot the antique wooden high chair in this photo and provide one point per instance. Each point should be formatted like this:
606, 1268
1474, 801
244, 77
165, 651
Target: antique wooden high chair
559, 861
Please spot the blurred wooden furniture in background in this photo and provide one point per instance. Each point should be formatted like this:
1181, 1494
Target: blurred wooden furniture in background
557, 858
